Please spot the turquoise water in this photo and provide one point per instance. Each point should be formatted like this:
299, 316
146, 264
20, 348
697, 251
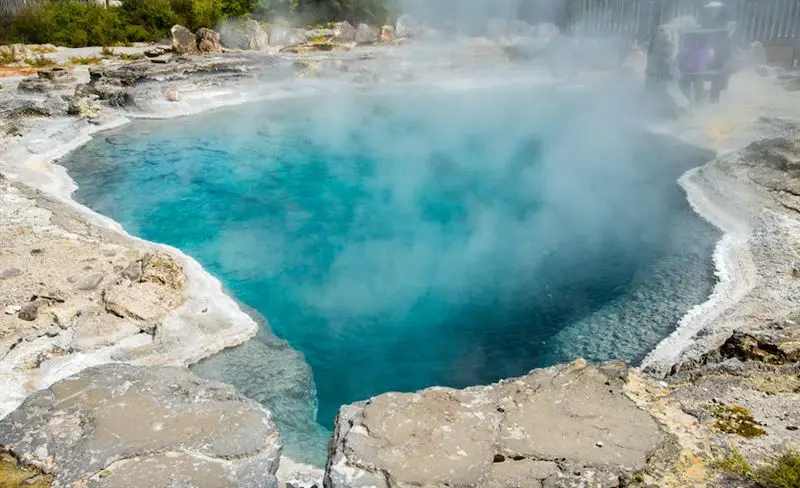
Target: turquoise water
403, 239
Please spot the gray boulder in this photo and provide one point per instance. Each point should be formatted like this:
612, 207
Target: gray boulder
569, 425
119, 425
344, 32
317, 34
255, 38
284, 36
366, 34
406, 26
183, 40
208, 41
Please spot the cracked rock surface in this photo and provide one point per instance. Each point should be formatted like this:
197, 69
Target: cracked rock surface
569, 425
120, 425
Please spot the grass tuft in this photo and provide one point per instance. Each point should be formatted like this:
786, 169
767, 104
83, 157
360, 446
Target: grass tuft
84, 60
39, 61
781, 472
737, 420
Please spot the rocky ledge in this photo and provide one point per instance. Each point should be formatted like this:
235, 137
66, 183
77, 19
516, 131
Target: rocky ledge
120, 426
570, 425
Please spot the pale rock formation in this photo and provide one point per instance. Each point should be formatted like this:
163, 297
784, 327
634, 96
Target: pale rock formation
406, 26
280, 35
366, 34
344, 32
386, 34
567, 425
183, 40
207, 41
120, 425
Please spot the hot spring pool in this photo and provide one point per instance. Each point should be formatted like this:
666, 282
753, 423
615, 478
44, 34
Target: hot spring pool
403, 239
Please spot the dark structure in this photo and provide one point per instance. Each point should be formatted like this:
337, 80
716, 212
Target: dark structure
705, 54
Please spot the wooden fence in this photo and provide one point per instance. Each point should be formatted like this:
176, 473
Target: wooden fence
771, 22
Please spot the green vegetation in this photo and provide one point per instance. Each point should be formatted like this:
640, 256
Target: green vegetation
39, 62
84, 60
780, 472
14, 475
77, 24
130, 57
734, 463
737, 420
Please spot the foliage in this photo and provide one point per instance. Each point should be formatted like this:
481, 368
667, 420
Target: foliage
737, 420
131, 57
780, 472
84, 60
13, 474
43, 49
734, 463
79, 24
107, 52
7, 57
67, 24
39, 61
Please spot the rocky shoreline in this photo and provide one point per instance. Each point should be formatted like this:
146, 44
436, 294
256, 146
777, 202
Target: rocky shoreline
98, 295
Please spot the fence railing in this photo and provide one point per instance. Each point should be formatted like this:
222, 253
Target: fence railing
766, 21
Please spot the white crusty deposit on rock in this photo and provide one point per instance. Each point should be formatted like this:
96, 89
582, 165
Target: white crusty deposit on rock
102, 322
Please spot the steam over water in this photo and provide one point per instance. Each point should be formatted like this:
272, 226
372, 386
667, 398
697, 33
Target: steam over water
415, 237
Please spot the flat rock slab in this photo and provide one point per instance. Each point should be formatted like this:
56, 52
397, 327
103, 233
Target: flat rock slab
119, 425
569, 425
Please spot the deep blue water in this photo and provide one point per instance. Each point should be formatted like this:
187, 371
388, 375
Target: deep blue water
400, 240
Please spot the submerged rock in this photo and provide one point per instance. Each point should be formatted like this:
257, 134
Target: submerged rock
569, 425
120, 425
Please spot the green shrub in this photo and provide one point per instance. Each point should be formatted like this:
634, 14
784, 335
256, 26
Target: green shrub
734, 463
67, 24
84, 60
781, 472
737, 420
77, 24
39, 62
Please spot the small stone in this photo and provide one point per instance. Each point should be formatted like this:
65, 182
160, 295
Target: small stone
599, 444
9, 273
133, 271
90, 282
796, 270
171, 95
36, 251
30, 311
791, 427
12, 309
